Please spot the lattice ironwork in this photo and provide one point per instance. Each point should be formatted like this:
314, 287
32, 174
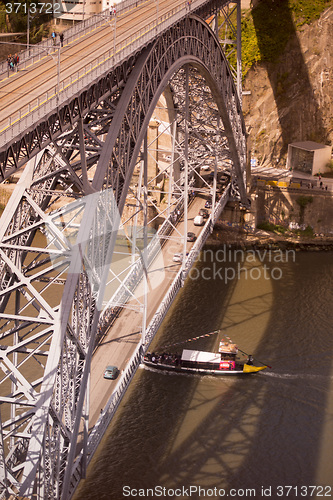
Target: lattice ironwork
53, 258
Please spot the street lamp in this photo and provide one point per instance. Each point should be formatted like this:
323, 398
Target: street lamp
28, 30
156, 15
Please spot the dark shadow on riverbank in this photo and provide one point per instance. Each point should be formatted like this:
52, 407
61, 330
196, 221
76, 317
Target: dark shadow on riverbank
281, 54
263, 431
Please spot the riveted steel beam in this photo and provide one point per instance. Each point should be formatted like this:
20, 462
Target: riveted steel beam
55, 255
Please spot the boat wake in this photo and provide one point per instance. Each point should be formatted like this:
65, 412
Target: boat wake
295, 376
166, 372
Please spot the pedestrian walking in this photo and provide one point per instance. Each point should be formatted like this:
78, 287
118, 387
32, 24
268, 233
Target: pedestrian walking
16, 61
61, 36
11, 62
9, 58
54, 37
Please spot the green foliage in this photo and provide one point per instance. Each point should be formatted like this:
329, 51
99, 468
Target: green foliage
308, 231
37, 35
302, 201
250, 48
267, 28
3, 25
14, 18
306, 11
274, 228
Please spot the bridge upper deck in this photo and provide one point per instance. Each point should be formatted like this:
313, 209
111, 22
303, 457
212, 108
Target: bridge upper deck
30, 95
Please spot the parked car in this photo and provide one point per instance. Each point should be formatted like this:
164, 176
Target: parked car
204, 213
178, 257
198, 220
224, 179
191, 236
111, 372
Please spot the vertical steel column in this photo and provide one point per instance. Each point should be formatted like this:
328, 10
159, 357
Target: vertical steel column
171, 172
186, 162
215, 167
239, 52
3, 468
145, 239
85, 417
58, 75
83, 157
216, 23
137, 208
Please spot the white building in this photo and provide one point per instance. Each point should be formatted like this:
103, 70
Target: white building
77, 10
308, 157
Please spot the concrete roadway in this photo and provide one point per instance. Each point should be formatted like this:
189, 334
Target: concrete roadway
121, 340
24, 88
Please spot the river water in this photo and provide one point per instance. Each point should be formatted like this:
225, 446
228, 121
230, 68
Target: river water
268, 434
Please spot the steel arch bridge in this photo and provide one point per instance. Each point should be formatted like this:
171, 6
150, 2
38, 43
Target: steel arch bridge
55, 260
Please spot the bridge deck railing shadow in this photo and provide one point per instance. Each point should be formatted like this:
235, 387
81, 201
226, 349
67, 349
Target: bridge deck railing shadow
276, 31
73, 85
35, 52
122, 385
244, 432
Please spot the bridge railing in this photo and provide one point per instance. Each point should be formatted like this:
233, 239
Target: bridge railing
134, 276
36, 52
135, 360
43, 105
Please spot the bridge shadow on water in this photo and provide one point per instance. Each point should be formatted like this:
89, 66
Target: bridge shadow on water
299, 114
265, 430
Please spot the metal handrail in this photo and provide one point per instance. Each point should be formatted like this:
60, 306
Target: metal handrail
38, 108
35, 52
106, 416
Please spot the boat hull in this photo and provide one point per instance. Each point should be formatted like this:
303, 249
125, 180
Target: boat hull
201, 371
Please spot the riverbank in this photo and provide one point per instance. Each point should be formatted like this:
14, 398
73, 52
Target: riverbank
239, 237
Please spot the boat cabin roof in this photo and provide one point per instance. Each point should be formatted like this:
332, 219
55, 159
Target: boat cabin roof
228, 348
201, 356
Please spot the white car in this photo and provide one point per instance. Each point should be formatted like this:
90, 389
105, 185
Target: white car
178, 257
198, 220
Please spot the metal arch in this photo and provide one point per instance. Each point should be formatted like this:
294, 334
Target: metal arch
191, 41
46, 433
47, 121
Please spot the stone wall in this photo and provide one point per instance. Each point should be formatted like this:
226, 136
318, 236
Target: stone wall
280, 206
292, 100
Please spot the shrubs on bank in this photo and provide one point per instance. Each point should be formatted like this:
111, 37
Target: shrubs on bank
267, 28
274, 228
307, 232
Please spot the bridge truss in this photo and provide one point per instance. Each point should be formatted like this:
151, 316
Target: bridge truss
56, 275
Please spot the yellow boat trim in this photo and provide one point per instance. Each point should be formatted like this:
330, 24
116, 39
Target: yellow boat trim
253, 369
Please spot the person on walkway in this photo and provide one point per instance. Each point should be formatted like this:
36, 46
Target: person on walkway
16, 62
11, 62
61, 36
9, 59
54, 37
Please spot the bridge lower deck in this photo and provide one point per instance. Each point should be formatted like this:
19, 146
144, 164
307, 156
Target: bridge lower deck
123, 337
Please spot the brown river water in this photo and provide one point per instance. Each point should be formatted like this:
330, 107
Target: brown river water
265, 435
